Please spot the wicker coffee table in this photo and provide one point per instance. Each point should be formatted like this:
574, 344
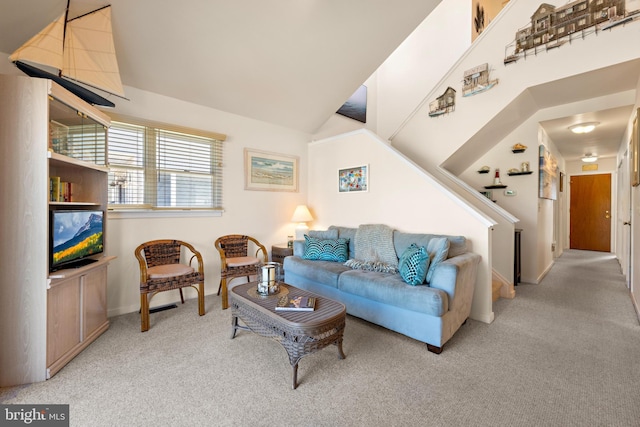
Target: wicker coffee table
299, 332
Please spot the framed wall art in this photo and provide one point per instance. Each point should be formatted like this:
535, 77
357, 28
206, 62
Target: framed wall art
635, 155
353, 179
270, 171
548, 184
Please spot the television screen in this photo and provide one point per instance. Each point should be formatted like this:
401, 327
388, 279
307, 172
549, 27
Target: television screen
75, 235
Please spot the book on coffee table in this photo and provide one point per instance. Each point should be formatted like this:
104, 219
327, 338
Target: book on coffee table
286, 303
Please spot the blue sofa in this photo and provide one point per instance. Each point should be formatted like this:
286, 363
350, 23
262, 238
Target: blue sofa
430, 313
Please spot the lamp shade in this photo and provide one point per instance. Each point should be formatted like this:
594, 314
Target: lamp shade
301, 214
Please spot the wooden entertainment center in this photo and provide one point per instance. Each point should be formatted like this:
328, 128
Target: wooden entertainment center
47, 318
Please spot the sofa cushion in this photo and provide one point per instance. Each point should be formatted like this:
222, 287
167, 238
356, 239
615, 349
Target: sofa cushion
438, 249
324, 272
402, 240
325, 250
347, 233
323, 234
413, 264
390, 289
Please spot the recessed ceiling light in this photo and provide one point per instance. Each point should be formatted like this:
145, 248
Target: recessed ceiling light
583, 127
589, 158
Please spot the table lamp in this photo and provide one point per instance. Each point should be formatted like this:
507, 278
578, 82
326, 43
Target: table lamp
301, 216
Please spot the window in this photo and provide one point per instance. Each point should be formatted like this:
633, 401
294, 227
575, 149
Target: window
158, 167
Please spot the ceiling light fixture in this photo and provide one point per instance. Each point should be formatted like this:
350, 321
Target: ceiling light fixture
589, 158
583, 127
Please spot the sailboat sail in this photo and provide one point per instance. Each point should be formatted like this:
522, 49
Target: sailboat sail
83, 51
45, 48
89, 52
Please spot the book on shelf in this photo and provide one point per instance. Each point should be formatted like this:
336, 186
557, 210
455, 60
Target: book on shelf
59, 191
287, 303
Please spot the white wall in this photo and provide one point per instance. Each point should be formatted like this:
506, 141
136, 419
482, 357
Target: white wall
264, 215
411, 71
417, 65
634, 281
523, 204
400, 195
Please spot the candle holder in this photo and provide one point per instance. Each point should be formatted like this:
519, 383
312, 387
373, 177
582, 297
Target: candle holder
269, 277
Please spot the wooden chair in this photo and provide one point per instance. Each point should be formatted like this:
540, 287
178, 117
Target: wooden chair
235, 260
161, 270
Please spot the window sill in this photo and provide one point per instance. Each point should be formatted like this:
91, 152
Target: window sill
151, 213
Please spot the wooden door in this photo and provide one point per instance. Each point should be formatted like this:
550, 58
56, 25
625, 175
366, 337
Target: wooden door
590, 212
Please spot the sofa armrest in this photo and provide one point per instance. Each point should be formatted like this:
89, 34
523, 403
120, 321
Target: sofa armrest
457, 276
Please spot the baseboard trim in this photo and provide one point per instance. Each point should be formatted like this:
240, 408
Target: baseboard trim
544, 273
636, 306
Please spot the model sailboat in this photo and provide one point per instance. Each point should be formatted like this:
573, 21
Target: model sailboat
76, 50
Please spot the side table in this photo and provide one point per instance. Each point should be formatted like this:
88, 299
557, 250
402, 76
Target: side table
280, 251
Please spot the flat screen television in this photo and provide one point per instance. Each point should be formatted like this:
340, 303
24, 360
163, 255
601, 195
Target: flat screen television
75, 236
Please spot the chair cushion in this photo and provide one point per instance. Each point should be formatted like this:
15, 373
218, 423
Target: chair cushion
241, 261
169, 270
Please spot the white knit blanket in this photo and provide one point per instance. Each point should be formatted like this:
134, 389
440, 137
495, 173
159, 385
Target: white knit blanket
374, 243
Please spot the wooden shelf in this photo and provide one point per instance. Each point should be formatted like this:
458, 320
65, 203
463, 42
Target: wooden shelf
71, 204
519, 173
70, 161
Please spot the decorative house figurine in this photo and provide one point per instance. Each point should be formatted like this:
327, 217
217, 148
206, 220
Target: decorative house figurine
445, 103
476, 80
553, 26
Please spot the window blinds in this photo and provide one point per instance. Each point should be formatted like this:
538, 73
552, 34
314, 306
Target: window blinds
158, 168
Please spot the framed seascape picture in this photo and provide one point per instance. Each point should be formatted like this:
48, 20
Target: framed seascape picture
270, 171
353, 179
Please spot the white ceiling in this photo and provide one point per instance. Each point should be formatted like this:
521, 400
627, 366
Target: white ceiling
292, 63
288, 62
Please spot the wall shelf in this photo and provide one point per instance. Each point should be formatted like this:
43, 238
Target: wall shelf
519, 173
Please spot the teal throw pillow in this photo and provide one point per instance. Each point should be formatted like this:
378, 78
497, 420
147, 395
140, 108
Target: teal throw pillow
326, 250
413, 264
438, 249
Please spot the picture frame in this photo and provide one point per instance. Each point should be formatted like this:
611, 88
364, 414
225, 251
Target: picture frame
548, 176
354, 179
265, 171
635, 155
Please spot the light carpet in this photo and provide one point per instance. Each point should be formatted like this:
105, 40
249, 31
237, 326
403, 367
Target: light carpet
565, 352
